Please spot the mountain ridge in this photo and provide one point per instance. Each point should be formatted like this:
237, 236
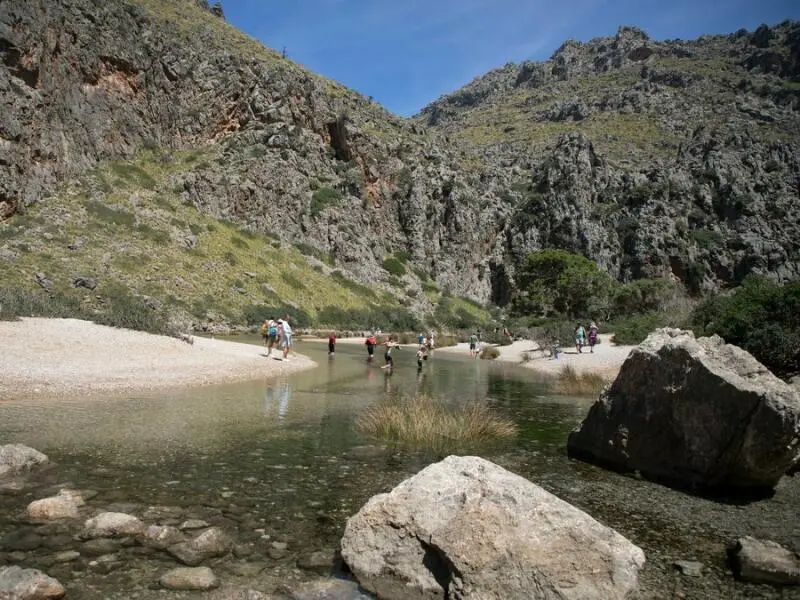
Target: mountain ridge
456, 204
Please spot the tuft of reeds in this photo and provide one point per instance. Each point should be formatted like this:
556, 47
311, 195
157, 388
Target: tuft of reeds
571, 383
490, 353
424, 423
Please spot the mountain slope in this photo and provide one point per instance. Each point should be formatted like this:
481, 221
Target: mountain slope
655, 158
648, 157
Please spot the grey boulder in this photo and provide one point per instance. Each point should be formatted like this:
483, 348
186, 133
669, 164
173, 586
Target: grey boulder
160, 537
28, 584
765, 562
16, 459
467, 528
696, 413
63, 506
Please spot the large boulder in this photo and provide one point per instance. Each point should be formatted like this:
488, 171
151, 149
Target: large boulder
198, 578
696, 413
28, 584
16, 459
209, 544
467, 528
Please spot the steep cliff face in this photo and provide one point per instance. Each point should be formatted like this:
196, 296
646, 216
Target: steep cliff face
658, 159
651, 157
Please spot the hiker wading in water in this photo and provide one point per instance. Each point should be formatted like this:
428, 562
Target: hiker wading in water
390, 345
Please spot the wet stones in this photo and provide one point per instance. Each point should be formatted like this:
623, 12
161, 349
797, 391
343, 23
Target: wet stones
28, 584
321, 561
112, 525
760, 561
198, 578
209, 544
63, 506
16, 459
21, 540
160, 537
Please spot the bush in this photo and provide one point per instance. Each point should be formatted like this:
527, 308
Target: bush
321, 255
571, 383
256, 314
423, 423
394, 266
105, 213
490, 353
323, 198
762, 317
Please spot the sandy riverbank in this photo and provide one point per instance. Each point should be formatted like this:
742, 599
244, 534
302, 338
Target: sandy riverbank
69, 357
605, 361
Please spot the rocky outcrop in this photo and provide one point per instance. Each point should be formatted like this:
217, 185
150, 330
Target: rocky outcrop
466, 528
698, 413
16, 459
765, 562
28, 584
198, 578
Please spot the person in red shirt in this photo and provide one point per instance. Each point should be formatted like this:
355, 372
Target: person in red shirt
331, 343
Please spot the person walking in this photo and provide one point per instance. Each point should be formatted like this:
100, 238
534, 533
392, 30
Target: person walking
332, 343
370, 343
286, 336
473, 345
272, 335
593, 330
390, 345
580, 338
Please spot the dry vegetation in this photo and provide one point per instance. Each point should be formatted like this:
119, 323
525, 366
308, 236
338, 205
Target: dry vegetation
425, 423
571, 383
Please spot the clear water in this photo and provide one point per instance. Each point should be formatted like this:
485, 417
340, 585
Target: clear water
280, 460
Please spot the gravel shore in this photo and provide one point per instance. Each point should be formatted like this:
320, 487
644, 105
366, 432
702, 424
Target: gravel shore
69, 357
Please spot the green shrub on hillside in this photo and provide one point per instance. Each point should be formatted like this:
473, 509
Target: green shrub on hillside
103, 212
256, 314
762, 317
323, 198
394, 266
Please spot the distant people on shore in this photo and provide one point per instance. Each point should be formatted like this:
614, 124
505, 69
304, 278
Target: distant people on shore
370, 343
285, 331
269, 331
473, 345
593, 330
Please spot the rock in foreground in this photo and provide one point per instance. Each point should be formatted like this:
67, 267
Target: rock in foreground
111, 525
695, 413
28, 584
16, 459
63, 506
765, 562
198, 578
467, 528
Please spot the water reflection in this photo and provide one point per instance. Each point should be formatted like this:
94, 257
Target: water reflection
283, 392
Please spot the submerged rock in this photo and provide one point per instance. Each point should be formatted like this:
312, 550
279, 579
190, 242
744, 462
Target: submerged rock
695, 413
16, 459
63, 506
160, 537
112, 524
28, 584
765, 562
209, 544
327, 589
198, 578
467, 528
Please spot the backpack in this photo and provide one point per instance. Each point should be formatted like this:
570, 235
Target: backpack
264, 330
273, 331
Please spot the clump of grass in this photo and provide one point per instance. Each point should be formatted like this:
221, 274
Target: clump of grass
105, 213
490, 353
424, 423
571, 383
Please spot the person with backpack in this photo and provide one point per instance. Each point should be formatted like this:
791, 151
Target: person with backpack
270, 332
580, 338
593, 330
370, 343
332, 343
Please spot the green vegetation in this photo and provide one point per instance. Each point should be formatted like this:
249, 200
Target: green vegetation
706, 238
107, 214
761, 316
323, 198
423, 423
559, 282
394, 266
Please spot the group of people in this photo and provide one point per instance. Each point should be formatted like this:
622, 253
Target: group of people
584, 337
277, 333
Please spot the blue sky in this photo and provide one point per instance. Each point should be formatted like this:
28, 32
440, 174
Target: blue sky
407, 53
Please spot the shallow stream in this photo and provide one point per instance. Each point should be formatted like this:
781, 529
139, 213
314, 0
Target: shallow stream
278, 462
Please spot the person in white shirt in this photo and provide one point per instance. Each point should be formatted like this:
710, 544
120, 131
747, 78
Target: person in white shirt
286, 337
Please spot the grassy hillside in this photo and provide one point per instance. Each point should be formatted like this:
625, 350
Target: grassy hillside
125, 226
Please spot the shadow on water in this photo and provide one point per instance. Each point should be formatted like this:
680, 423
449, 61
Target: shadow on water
279, 460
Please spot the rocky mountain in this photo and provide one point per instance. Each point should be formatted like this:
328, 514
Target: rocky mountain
657, 159
654, 158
